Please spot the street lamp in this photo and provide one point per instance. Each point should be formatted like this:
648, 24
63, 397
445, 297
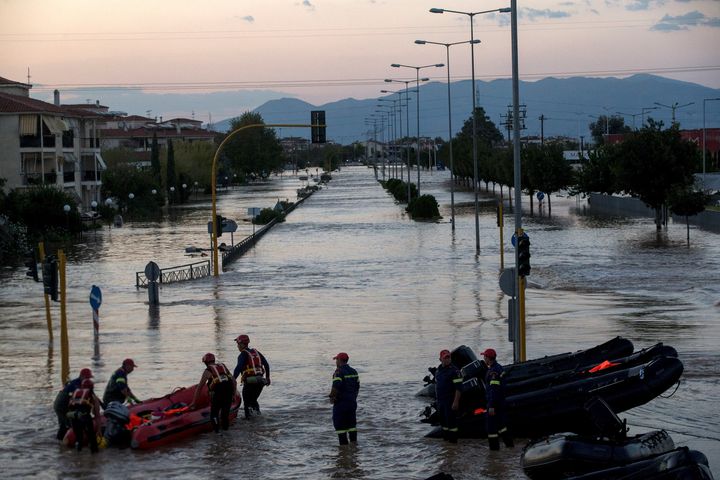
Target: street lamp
633, 115
417, 84
407, 101
474, 120
393, 132
66, 209
196, 185
704, 146
450, 137
674, 107
642, 114
407, 126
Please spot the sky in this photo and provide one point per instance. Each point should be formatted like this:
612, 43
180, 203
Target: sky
326, 50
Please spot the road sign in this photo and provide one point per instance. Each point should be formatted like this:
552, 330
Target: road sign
255, 211
152, 271
95, 297
507, 281
540, 196
513, 240
228, 226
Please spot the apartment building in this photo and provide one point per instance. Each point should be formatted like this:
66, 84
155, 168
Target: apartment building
45, 143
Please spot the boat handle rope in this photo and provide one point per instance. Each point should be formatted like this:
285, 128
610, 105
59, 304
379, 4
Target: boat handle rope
673, 393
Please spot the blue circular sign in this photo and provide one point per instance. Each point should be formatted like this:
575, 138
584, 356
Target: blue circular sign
95, 297
540, 195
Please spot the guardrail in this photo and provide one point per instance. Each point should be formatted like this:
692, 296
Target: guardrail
180, 273
192, 271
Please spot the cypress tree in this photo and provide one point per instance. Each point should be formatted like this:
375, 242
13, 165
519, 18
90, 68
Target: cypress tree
155, 157
170, 177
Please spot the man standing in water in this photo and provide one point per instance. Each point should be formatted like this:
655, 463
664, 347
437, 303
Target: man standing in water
221, 388
447, 393
62, 401
251, 368
496, 419
343, 395
117, 389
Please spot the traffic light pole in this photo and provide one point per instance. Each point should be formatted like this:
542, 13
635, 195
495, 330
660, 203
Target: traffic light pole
41, 251
64, 348
213, 178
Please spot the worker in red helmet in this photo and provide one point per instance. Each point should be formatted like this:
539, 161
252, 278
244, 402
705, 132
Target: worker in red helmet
343, 395
448, 380
84, 415
254, 372
221, 389
62, 401
496, 420
117, 389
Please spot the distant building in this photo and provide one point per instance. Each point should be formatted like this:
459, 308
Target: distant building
48, 143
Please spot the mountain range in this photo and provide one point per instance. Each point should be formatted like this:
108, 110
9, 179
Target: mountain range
568, 106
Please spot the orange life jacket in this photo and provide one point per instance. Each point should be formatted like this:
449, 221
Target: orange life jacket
254, 366
80, 398
218, 373
602, 366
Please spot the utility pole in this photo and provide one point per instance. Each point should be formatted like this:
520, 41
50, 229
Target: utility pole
542, 130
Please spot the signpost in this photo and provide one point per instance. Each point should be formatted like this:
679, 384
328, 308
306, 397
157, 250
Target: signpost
254, 212
95, 302
152, 272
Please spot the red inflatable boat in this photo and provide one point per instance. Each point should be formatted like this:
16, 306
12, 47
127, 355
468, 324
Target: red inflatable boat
160, 421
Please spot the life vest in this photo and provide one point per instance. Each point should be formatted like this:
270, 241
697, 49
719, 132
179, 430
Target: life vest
218, 373
253, 366
82, 397
602, 366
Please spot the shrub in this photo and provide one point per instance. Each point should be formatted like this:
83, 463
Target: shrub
424, 207
266, 215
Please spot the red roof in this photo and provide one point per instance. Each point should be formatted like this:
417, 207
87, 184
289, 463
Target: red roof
148, 132
22, 104
5, 81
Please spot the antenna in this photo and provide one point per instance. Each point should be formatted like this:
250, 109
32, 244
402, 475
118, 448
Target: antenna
28, 76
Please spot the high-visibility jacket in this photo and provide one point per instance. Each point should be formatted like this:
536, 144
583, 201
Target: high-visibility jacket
218, 373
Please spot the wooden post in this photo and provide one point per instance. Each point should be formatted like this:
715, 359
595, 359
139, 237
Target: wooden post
41, 249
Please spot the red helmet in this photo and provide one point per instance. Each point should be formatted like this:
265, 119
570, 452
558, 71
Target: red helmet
489, 353
86, 373
342, 356
87, 383
208, 358
243, 339
444, 354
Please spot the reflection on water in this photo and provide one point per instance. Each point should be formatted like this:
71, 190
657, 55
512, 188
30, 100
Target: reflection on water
348, 271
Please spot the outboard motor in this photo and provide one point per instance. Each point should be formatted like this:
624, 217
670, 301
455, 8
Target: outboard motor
603, 421
118, 415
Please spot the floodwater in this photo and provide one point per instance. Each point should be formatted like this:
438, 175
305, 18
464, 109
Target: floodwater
348, 271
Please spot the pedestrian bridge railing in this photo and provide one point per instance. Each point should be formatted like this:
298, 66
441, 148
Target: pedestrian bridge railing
180, 273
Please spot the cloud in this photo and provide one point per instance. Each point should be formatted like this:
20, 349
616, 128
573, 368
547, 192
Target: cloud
685, 22
248, 18
308, 5
636, 5
533, 14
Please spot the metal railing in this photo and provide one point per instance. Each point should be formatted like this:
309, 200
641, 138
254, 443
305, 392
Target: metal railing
181, 273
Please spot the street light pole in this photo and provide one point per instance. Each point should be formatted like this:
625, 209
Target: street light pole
642, 115
450, 135
674, 107
704, 145
417, 85
407, 127
474, 106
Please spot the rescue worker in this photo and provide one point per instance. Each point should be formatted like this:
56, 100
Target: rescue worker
343, 395
62, 400
448, 379
221, 388
251, 368
84, 415
117, 389
496, 421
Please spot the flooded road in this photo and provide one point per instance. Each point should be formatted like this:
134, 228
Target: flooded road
348, 271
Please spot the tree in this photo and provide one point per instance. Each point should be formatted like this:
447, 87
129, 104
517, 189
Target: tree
170, 176
548, 171
596, 174
155, 158
686, 201
652, 162
604, 125
254, 151
488, 136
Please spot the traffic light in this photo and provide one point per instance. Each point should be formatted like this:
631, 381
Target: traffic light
317, 134
218, 225
31, 263
523, 245
50, 277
